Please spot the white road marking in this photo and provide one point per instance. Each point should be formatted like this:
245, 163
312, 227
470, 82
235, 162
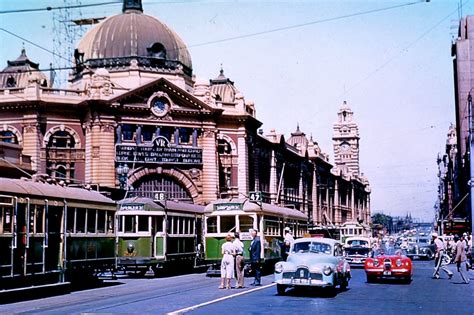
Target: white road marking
191, 308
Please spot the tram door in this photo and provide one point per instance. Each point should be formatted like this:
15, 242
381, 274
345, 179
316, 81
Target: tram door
54, 223
19, 254
159, 236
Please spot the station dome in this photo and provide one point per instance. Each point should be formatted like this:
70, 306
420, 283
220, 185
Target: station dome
132, 35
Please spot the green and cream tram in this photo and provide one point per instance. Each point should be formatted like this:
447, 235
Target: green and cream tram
226, 216
51, 234
152, 235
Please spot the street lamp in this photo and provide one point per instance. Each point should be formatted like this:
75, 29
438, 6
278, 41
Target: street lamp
122, 173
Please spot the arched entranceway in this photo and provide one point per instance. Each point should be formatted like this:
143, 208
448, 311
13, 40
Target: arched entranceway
147, 185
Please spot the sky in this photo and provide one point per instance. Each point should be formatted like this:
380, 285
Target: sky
298, 60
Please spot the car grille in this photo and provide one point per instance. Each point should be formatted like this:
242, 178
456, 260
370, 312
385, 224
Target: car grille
307, 274
387, 264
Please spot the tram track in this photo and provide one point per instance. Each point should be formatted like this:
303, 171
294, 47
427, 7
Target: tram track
131, 292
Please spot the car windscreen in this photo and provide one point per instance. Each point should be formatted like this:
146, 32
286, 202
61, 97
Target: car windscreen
358, 243
311, 247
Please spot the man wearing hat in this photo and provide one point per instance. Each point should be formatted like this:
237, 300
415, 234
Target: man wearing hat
440, 251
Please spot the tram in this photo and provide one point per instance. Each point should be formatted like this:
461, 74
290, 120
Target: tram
155, 235
225, 216
53, 235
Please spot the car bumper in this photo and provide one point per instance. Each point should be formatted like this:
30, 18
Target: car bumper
393, 273
304, 283
356, 261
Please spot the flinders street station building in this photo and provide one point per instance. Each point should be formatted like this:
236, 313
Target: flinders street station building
135, 118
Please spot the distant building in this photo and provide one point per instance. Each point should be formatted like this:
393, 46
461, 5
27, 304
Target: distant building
134, 116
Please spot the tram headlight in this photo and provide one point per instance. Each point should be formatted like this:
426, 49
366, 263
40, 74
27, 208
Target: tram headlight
130, 248
327, 270
278, 268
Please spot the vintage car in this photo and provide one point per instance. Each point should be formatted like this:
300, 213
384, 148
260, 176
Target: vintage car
356, 250
383, 265
313, 262
421, 248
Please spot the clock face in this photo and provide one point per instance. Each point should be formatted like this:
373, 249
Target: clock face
345, 147
159, 105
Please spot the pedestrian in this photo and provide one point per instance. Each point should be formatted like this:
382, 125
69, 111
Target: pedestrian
227, 263
468, 247
287, 242
239, 260
440, 252
255, 256
460, 258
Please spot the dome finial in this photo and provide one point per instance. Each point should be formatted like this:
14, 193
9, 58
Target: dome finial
132, 5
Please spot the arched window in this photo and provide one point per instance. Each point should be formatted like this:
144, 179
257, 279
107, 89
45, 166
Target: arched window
8, 137
147, 187
61, 139
223, 147
11, 82
157, 50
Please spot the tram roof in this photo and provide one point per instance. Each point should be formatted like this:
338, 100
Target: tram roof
170, 205
27, 188
247, 206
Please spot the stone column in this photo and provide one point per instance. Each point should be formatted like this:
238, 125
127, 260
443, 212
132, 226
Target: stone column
243, 160
273, 178
314, 198
352, 202
32, 141
210, 174
100, 152
337, 211
301, 193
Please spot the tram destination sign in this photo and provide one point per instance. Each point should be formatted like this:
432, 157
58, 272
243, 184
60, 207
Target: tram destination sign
159, 152
227, 206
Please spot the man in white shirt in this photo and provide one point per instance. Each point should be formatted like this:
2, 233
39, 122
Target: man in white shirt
440, 251
239, 260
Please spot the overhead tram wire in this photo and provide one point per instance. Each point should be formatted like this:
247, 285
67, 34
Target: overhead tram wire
60, 8
224, 39
403, 50
34, 44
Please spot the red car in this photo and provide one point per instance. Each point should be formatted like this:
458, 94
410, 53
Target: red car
396, 266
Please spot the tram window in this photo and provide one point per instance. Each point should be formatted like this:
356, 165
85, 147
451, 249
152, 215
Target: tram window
80, 220
143, 223
5, 220
32, 219
101, 221
351, 232
212, 225
158, 224
110, 222
175, 229
271, 227
39, 220
129, 224
246, 223
227, 223
91, 220
70, 220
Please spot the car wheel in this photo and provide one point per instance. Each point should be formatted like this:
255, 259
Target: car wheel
344, 284
429, 255
407, 279
370, 279
281, 289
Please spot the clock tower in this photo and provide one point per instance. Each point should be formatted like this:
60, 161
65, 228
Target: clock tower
346, 141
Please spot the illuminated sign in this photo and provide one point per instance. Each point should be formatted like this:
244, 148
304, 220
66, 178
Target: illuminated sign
132, 206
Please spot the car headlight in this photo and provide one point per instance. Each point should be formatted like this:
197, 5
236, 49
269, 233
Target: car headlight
376, 263
327, 270
279, 267
398, 262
